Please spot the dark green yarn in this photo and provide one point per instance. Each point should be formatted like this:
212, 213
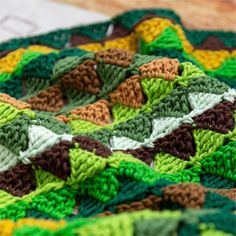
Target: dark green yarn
14, 135
129, 19
227, 37
230, 82
71, 52
111, 77
60, 38
223, 221
206, 84
93, 31
37, 214
14, 44
74, 99
175, 102
12, 87
56, 39
129, 191
186, 229
214, 200
40, 67
171, 53
102, 136
33, 86
214, 181
52, 124
138, 128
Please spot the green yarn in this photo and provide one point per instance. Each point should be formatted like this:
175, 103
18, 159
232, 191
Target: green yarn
222, 162
167, 39
84, 165
15, 211
57, 204
156, 89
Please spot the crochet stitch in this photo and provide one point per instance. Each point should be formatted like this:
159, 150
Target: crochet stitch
98, 140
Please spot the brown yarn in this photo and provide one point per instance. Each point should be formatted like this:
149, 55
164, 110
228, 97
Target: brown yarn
18, 180
188, 195
55, 160
115, 56
179, 143
213, 43
4, 53
160, 68
76, 40
117, 32
97, 113
151, 202
63, 118
14, 102
92, 145
219, 118
83, 78
129, 93
50, 99
144, 154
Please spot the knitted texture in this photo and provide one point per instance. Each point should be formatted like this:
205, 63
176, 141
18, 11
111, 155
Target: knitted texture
109, 142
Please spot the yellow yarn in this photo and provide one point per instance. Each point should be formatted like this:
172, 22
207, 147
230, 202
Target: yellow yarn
9, 62
150, 29
42, 49
7, 226
93, 47
47, 224
127, 43
211, 59
186, 44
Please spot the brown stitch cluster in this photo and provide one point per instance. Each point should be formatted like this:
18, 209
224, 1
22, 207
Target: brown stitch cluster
50, 99
14, 102
18, 180
92, 145
179, 143
76, 40
55, 160
129, 93
219, 118
97, 112
145, 154
117, 32
63, 118
151, 202
185, 194
83, 78
160, 68
213, 43
115, 56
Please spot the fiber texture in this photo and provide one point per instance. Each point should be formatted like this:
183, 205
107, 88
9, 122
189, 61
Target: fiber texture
98, 140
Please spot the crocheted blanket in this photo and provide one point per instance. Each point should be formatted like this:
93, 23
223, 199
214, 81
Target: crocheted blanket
96, 139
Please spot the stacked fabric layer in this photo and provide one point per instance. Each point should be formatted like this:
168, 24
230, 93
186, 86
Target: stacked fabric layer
140, 144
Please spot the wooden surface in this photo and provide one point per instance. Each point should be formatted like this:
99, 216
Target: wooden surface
196, 14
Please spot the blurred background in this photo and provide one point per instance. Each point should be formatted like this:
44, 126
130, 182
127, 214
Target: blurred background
211, 14
19, 18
